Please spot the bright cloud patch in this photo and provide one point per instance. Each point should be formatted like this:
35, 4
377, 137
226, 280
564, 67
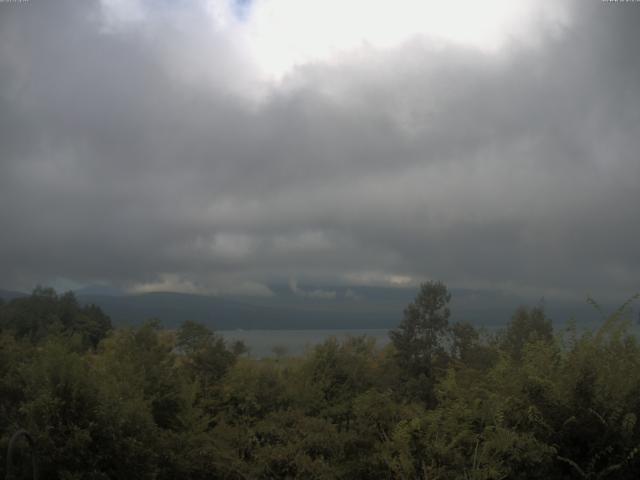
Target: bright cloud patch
284, 33
278, 35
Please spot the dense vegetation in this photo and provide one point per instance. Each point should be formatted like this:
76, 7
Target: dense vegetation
442, 401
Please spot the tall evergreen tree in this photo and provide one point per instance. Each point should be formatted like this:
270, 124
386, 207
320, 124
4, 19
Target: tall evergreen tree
419, 339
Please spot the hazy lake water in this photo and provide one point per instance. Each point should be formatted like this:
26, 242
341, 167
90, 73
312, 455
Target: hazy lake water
295, 342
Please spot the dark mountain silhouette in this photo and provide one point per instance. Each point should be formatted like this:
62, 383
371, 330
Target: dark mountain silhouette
313, 308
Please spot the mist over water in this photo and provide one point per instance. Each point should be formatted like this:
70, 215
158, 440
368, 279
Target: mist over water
265, 343
261, 343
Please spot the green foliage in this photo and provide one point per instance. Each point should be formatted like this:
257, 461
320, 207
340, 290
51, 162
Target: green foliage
206, 355
418, 340
441, 402
45, 313
526, 326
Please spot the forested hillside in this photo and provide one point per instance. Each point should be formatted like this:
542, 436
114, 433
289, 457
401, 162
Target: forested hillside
441, 401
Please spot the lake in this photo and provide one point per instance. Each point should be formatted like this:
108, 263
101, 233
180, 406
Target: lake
295, 342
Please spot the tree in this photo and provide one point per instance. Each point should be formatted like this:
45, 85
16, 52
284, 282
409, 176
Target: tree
526, 326
238, 347
205, 353
280, 351
45, 313
419, 339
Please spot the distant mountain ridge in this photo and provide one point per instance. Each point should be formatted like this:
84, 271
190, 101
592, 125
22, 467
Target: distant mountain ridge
349, 308
227, 313
11, 294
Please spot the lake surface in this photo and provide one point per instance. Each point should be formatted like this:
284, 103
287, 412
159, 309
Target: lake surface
295, 342
261, 343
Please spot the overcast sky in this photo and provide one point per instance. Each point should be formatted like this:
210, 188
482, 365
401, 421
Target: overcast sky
217, 147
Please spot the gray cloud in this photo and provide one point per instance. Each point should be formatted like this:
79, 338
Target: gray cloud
134, 155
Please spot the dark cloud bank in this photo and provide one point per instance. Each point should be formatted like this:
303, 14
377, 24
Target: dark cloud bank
141, 158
